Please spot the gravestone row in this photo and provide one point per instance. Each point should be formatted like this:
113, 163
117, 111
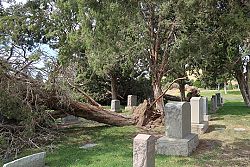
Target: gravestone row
183, 122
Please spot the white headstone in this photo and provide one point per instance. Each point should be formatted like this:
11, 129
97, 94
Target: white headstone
196, 110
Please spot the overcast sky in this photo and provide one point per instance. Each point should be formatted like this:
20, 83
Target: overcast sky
6, 4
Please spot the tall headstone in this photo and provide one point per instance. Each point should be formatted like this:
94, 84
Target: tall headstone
144, 151
218, 95
213, 104
178, 139
131, 102
199, 126
205, 109
115, 105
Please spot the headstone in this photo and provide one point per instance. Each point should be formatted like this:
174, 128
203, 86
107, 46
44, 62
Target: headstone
178, 139
70, 119
199, 126
218, 99
115, 105
196, 110
35, 160
222, 101
131, 102
205, 109
144, 151
213, 104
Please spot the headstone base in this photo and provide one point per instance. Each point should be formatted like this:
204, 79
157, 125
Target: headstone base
199, 128
180, 147
130, 108
207, 117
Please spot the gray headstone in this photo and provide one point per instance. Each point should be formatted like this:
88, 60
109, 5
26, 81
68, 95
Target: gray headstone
218, 95
178, 140
196, 110
132, 100
205, 105
213, 104
34, 160
115, 105
177, 120
144, 151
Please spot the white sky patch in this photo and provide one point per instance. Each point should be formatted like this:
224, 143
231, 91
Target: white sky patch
6, 4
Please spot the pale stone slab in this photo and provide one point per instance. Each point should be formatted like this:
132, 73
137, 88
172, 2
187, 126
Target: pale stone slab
196, 110
115, 105
70, 119
207, 117
144, 151
34, 160
181, 147
132, 100
177, 119
200, 128
89, 145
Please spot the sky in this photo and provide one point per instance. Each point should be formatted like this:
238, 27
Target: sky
17, 1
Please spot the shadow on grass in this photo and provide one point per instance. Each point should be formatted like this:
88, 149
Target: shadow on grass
114, 147
213, 153
206, 145
215, 127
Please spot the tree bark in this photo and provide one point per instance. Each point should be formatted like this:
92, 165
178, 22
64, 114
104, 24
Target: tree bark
159, 105
114, 87
182, 90
90, 112
243, 85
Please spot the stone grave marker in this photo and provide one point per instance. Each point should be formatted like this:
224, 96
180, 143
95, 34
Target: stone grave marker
218, 95
178, 139
34, 160
213, 104
144, 151
115, 105
131, 102
199, 126
205, 109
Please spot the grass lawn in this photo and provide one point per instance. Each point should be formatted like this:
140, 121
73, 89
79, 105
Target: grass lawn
220, 146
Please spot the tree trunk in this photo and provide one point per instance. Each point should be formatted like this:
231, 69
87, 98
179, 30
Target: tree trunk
225, 87
157, 92
114, 87
182, 90
90, 112
244, 87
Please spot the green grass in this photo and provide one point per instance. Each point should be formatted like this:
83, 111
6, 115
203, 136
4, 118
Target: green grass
220, 146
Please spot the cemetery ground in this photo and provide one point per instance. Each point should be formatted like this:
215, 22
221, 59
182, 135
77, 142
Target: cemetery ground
227, 142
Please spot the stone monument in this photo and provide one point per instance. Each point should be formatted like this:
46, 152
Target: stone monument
178, 139
205, 109
34, 160
115, 105
199, 126
218, 95
131, 102
144, 151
